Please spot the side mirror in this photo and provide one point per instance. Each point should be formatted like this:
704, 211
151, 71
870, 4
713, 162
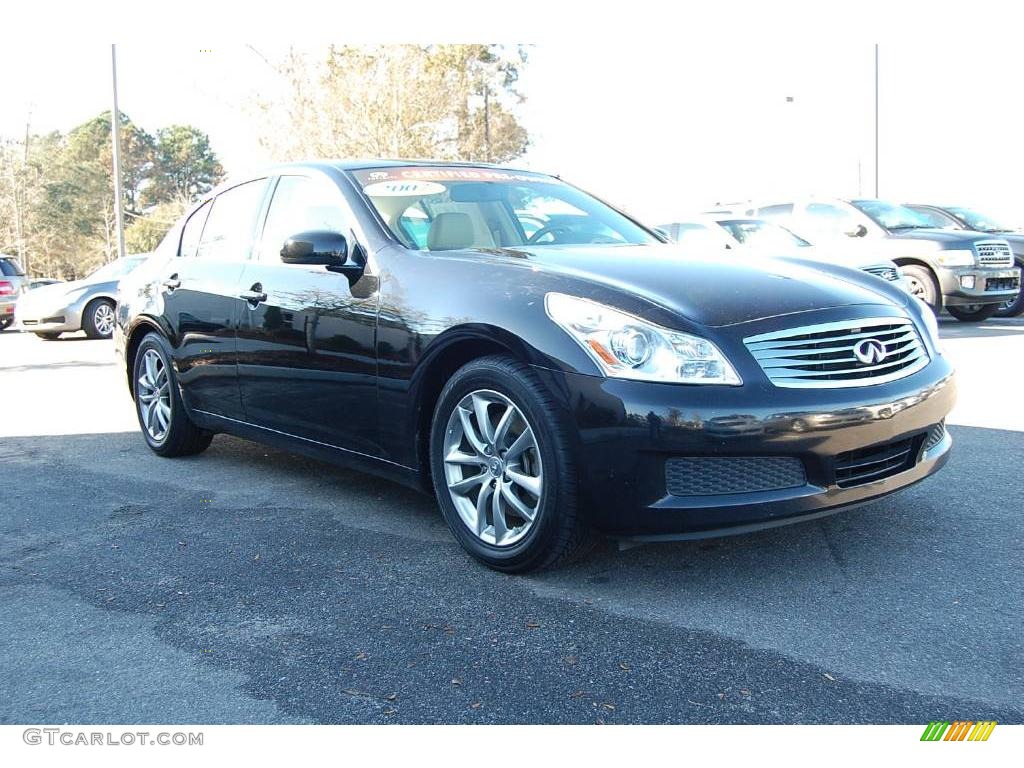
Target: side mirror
858, 231
323, 247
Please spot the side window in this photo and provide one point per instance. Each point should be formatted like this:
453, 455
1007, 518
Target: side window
192, 231
301, 204
826, 219
231, 226
769, 211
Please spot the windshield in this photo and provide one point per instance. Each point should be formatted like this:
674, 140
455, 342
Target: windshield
978, 221
891, 215
11, 267
440, 208
116, 268
758, 233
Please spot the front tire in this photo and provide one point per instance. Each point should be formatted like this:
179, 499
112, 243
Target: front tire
166, 427
503, 469
5, 324
98, 319
923, 285
973, 313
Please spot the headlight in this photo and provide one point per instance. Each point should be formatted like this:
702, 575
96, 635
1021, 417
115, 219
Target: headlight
962, 258
630, 348
931, 323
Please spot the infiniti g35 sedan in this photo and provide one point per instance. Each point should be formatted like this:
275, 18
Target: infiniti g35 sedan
543, 363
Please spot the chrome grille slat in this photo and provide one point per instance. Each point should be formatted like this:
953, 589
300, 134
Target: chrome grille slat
994, 253
822, 356
901, 342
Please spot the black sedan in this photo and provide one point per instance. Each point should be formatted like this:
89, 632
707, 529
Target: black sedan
396, 317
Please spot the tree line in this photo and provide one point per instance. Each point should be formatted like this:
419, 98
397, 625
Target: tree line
447, 102
57, 192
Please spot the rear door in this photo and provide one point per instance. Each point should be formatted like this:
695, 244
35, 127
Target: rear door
307, 360
201, 299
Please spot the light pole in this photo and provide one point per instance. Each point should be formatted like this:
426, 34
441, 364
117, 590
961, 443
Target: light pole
115, 130
876, 120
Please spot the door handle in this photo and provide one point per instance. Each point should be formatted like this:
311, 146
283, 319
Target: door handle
254, 295
172, 282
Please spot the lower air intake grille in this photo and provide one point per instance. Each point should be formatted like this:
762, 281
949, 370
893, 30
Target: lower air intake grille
935, 435
719, 475
849, 353
877, 462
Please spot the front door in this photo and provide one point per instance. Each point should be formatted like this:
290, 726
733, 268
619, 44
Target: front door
200, 294
306, 355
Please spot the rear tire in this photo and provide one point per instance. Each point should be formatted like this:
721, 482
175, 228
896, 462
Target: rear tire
166, 427
98, 319
5, 324
923, 285
48, 335
973, 313
508, 471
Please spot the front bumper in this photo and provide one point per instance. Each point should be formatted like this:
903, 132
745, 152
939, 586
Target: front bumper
990, 286
627, 431
50, 319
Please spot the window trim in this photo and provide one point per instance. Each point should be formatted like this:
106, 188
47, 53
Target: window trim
257, 222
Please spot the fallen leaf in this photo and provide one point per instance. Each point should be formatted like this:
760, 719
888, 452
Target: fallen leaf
578, 694
361, 656
476, 705
608, 706
391, 696
827, 676
531, 624
744, 692
624, 666
456, 681
570, 660
390, 711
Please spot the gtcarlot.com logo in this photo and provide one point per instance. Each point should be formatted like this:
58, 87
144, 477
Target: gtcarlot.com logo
71, 738
958, 730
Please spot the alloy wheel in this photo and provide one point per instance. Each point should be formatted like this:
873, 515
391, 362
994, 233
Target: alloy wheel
154, 396
492, 467
103, 319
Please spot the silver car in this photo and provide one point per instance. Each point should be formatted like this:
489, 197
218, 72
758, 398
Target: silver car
86, 304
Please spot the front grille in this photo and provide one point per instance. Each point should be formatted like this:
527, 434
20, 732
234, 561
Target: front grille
877, 462
719, 475
994, 253
884, 272
840, 354
935, 435
1001, 283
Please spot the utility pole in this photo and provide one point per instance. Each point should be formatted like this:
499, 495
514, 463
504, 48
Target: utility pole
876, 120
115, 130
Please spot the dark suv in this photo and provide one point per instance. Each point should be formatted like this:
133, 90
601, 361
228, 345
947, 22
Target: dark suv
958, 217
12, 284
454, 328
968, 273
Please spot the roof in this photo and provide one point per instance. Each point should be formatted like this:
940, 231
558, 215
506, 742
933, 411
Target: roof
366, 163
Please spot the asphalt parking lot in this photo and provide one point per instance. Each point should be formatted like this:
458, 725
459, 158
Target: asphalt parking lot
249, 585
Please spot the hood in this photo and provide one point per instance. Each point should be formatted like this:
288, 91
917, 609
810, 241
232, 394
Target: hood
951, 237
714, 289
57, 291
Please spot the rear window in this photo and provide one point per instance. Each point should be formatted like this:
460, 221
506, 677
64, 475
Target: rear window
11, 268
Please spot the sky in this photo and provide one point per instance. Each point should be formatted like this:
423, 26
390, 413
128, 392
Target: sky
661, 130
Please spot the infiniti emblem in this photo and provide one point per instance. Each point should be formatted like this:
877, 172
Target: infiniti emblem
869, 351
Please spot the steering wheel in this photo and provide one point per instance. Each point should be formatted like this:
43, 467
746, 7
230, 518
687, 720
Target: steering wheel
551, 229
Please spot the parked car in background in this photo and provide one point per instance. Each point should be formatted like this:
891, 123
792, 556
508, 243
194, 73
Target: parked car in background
957, 217
86, 304
968, 273
39, 282
397, 317
770, 239
13, 283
